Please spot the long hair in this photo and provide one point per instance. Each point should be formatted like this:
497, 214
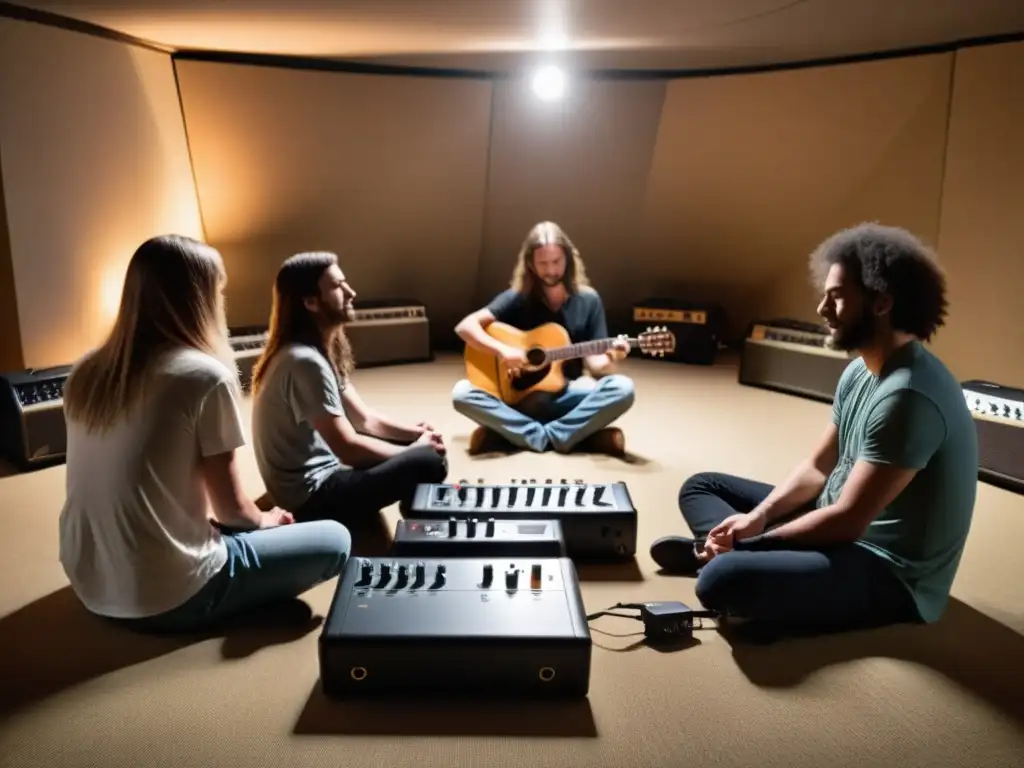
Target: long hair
892, 261
291, 321
524, 280
172, 298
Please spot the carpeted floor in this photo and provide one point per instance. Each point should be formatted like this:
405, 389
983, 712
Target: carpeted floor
78, 693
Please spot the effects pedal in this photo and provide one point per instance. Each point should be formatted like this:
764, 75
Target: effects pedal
472, 537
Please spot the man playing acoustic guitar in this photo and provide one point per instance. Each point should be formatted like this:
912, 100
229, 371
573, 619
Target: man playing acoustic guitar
549, 285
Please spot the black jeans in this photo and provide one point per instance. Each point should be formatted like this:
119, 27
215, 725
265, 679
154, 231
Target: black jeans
353, 495
837, 588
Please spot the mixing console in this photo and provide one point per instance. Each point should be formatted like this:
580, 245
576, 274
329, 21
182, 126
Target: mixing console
479, 538
597, 520
480, 625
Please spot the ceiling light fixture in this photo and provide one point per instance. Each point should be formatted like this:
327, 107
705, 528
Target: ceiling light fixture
549, 83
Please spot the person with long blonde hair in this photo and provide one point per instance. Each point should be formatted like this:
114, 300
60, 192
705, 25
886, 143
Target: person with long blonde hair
156, 530
549, 285
322, 451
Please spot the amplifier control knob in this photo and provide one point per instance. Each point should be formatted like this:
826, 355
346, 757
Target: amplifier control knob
471, 527
488, 575
490, 527
420, 575
453, 527
462, 493
535, 576
512, 578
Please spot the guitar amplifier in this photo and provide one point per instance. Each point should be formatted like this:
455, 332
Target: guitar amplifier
389, 332
998, 413
698, 328
33, 433
791, 356
248, 343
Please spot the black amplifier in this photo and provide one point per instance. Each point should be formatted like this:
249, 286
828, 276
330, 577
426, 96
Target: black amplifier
998, 413
598, 521
699, 328
473, 626
792, 356
389, 332
478, 538
32, 427
247, 343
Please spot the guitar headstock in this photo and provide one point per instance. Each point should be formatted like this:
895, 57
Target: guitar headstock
657, 341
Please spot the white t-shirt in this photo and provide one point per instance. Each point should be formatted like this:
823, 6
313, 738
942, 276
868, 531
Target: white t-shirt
135, 534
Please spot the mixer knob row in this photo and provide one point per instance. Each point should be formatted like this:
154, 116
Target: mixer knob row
401, 579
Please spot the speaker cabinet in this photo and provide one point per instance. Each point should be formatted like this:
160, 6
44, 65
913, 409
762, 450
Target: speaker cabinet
247, 343
698, 327
32, 426
790, 356
389, 332
998, 413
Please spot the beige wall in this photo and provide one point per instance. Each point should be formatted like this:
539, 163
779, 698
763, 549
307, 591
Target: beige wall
387, 172
710, 189
94, 160
11, 357
981, 233
752, 171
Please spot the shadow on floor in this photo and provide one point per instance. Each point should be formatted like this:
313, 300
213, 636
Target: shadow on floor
971, 649
53, 644
627, 570
406, 715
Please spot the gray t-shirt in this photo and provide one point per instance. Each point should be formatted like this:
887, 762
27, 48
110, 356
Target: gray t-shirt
298, 387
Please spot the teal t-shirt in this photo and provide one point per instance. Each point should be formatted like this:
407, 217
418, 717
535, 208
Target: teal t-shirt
912, 415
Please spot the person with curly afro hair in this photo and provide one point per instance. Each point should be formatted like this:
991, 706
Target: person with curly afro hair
870, 528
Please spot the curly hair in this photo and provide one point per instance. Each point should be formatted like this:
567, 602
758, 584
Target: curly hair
892, 261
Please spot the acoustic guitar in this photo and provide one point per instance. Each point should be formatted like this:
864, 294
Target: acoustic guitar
547, 347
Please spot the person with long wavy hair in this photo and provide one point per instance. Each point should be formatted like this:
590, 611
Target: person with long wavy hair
322, 451
156, 530
549, 285
869, 529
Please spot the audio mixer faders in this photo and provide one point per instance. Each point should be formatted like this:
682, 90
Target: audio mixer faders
598, 520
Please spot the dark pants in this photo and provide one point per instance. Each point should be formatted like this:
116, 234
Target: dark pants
353, 495
836, 588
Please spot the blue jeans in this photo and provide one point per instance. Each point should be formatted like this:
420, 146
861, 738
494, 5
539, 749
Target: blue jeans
264, 566
542, 420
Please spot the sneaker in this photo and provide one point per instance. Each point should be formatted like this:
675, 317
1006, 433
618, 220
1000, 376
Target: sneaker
676, 554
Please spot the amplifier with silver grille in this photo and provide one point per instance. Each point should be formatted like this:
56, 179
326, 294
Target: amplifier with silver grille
791, 356
388, 332
32, 427
248, 343
998, 413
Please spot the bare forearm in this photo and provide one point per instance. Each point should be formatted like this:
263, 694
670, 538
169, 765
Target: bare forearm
600, 365
819, 527
368, 451
241, 514
386, 429
475, 336
801, 487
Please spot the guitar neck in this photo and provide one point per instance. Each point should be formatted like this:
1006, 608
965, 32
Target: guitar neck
585, 349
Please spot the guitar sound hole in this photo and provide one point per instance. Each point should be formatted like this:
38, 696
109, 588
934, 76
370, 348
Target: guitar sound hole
535, 356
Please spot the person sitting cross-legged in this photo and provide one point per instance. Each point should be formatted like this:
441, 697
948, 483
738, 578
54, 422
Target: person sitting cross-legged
870, 528
549, 285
